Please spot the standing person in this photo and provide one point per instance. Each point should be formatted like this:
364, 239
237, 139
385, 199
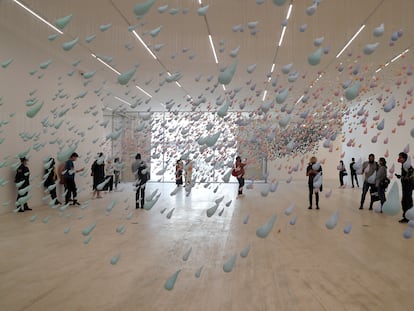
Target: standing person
188, 172
407, 184
140, 170
369, 168
353, 173
69, 177
239, 174
23, 181
109, 175
50, 178
98, 175
342, 173
379, 180
314, 169
117, 172
179, 173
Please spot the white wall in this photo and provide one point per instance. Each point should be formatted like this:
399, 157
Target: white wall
360, 138
284, 169
57, 91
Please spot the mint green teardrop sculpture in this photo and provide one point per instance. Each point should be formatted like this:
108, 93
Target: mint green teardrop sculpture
226, 76
315, 57
140, 9
61, 23
169, 284
126, 76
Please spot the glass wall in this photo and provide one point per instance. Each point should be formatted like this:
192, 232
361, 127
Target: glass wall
211, 142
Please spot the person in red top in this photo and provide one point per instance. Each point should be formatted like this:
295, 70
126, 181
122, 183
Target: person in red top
239, 173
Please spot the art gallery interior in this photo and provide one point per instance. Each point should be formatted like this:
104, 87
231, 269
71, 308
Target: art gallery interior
272, 81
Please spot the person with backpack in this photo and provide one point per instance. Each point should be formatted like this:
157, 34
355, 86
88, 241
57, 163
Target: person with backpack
381, 182
140, 170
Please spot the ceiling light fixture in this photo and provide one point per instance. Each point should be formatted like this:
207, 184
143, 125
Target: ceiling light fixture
297, 102
224, 87
118, 73
352, 39
121, 100
284, 27
106, 64
144, 44
212, 47
143, 91
399, 55
392, 60
282, 35
289, 11
264, 95
38, 16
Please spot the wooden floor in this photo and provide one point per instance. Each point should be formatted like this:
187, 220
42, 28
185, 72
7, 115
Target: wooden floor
47, 263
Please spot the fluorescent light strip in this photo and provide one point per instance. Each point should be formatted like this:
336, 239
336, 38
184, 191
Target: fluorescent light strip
224, 87
143, 91
38, 16
289, 11
121, 100
212, 47
352, 39
284, 27
297, 102
107, 108
392, 60
282, 35
143, 43
118, 73
399, 55
106, 64
199, 2
176, 82
264, 95
273, 68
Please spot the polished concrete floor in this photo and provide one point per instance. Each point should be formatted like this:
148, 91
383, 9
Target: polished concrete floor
106, 255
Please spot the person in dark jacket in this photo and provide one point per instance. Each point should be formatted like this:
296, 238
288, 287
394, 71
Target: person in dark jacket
23, 185
50, 178
407, 183
379, 180
141, 172
353, 173
69, 177
98, 173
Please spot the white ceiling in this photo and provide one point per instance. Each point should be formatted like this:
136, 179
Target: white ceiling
186, 49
